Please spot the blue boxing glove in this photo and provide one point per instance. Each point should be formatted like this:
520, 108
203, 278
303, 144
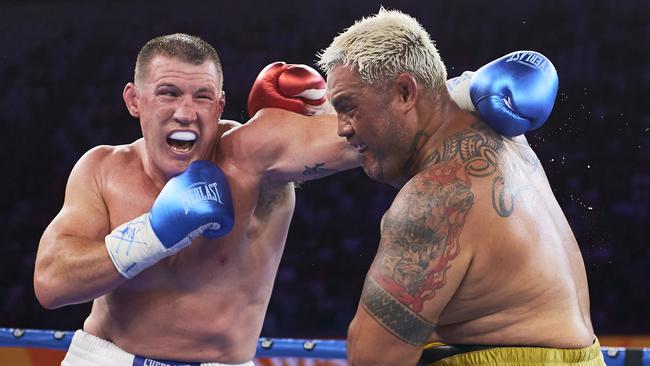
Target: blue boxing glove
196, 202
513, 94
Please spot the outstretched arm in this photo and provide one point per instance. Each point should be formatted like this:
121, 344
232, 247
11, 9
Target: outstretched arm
286, 146
290, 136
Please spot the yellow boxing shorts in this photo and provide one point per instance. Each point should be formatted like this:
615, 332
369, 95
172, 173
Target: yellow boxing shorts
439, 354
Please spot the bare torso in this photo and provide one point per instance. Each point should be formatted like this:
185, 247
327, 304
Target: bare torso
525, 281
207, 302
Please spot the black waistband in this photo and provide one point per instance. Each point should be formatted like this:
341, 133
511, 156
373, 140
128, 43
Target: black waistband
433, 354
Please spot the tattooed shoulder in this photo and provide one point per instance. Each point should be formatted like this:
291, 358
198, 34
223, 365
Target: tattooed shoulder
484, 154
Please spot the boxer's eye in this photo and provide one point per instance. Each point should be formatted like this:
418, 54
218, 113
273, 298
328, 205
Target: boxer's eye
167, 91
346, 109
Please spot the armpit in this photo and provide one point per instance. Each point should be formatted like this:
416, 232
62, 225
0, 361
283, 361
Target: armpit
272, 196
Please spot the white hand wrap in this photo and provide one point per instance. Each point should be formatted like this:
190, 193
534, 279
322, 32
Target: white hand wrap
134, 247
459, 91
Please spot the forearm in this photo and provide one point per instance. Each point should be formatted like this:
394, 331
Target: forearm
74, 270
298, 139
287, 146
328, 153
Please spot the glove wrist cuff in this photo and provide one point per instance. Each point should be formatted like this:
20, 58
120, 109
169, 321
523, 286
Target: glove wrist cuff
458, 88
134, 246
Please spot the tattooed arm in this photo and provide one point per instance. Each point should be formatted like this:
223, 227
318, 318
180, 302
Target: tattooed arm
419, 265
285, 146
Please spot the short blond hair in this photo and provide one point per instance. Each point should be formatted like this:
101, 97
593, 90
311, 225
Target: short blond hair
185, 47
382, 46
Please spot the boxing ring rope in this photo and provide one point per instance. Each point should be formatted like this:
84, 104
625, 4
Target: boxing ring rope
278, 347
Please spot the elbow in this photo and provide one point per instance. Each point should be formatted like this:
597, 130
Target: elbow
47, 303
358, 355
367, 348
362, 357
45, 291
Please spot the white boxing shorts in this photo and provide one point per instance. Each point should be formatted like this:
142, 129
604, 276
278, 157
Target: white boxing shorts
88, 350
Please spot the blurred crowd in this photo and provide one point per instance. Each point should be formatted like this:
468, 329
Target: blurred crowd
63, 66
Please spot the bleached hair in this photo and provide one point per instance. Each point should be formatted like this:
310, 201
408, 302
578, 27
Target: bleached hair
382, 46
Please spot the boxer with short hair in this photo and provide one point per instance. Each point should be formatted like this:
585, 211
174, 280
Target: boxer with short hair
177, 237
475, 250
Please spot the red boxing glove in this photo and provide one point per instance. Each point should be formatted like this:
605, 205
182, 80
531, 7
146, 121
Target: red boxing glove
296, 88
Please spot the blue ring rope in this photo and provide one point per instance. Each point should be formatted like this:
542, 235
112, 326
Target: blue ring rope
266, 347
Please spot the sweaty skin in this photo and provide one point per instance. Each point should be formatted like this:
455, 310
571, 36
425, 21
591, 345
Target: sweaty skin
474, 249
207, 302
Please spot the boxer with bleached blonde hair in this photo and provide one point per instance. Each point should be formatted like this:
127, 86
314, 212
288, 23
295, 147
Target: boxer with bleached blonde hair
475, 251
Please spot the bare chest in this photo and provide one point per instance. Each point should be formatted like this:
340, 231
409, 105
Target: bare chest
251, 250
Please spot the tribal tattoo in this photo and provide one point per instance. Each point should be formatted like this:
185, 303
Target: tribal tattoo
480, 149
421, 231
394, 316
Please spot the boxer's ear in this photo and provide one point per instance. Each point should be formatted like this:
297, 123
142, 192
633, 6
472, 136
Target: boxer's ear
222, 101
406, 89
130, 96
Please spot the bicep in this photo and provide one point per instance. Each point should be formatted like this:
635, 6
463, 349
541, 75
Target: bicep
293, 147
84, 214
420, 261
72, 263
